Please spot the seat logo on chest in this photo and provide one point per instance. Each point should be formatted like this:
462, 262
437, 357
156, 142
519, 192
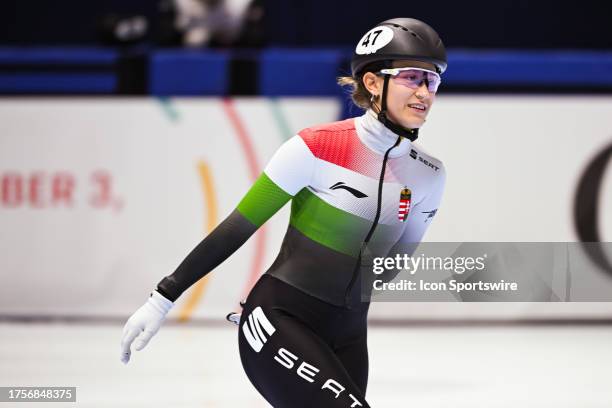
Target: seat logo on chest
416, 156
351, 190
404, 204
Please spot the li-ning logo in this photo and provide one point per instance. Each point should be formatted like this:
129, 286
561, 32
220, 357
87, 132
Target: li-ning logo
351, 190
416, 156
254, 327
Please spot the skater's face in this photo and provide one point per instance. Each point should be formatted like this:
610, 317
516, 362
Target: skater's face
409, 99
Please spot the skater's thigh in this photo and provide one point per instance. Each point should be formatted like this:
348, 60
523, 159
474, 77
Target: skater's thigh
290, 365
353, 355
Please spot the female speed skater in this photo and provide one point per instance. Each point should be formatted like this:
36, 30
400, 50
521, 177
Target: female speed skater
358, 188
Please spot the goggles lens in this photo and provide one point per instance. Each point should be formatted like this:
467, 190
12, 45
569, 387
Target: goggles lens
414, 77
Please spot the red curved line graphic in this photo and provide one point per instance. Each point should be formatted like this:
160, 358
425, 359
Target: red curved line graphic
254, 169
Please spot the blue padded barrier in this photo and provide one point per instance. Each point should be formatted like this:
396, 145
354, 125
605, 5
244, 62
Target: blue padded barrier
57, 83
57, 70
188, 72
525, 68
57, 55
284, 72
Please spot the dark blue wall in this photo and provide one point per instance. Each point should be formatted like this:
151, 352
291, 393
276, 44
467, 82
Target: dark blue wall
476, 23
466, 23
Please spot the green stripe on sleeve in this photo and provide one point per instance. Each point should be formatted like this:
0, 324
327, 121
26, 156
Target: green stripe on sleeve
263, 200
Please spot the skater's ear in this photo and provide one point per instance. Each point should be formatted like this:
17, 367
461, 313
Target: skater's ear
373, 83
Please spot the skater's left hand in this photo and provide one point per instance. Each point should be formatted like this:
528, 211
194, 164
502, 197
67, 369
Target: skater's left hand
144, 323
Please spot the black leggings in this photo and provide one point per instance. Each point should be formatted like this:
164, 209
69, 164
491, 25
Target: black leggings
299, 351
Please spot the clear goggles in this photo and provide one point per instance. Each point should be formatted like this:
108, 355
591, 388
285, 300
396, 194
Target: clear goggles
414, 77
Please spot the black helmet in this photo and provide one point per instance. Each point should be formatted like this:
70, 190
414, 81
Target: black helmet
399, 38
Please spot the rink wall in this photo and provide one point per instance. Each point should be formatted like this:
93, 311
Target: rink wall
102, 197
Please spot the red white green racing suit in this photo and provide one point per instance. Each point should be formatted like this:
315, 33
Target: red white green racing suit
299, 344
331, 173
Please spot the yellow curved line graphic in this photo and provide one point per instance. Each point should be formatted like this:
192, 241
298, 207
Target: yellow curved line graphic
197, 291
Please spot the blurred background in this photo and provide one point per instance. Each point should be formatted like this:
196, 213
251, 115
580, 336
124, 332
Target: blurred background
129, 130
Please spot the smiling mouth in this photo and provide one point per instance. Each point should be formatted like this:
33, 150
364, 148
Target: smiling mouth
418, 107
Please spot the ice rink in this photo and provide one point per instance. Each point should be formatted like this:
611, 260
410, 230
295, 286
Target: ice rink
425, 366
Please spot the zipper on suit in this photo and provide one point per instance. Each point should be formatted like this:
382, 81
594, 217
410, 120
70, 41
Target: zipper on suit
364, 243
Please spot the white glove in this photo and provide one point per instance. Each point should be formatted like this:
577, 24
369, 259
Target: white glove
145, 322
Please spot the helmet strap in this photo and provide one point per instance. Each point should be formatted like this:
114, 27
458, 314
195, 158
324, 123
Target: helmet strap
410, 134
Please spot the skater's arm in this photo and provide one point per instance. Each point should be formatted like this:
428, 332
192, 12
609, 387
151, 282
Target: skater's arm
289, 170
223, 241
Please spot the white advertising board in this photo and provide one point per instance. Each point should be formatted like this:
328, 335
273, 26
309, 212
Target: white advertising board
102, 197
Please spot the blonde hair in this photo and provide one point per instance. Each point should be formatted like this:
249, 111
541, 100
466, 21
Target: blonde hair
359, 94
